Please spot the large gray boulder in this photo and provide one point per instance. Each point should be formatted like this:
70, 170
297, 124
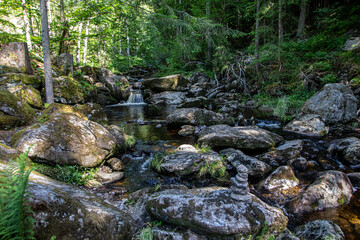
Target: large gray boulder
256, 168
308, 125
68, 212
348, 148
65, 62
188, 160
248, 137
118, 85
287, 151
335, 103
320, 230
16, 54
215, 213
167, 98
67, 90
168, 83
196, 116
330, 189
66, 138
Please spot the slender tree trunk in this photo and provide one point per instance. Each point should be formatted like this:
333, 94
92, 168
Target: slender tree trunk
64, 43
48, 6
78, 45
302, 17
208, 51
31, 23
86, 41
120, 47
46, 51
257, 35
280, 33
127, 39
26, 24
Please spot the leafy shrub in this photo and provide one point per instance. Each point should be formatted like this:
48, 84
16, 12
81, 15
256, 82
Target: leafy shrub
329, 78
215, 169
15, 215
157, 160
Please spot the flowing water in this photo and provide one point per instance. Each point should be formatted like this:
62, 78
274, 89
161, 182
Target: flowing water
147, 125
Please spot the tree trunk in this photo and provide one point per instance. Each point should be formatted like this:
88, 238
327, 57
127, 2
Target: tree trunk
208, 51
280, 33
127, 39
48, 6
302, 18
78, 44
26, 24
86, 41
257, 35
46, 51
64, 43
120, 47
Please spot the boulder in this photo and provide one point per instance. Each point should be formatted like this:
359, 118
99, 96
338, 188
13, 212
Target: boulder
116, 164
62, 108
319, 230
285, 152
65, 139
93, 111
13, 111
7, 153
9, 80
167, 98
215, 213
330, 189
256, 168
187, 130
196, 116
287, 235
16, 54
67, 90
160, 234
309, 125
105, 175
188, 160
245, 137
168, 83
348, 148
118, 85
68, 212
65, 62
352, 44
28, 94
335, 103
198, 102
283, 178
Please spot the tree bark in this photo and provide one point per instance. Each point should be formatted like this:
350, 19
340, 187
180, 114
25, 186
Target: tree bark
120, 47
78, 45
302, 17
280, 33
127, 39
208, 51
46, 51
26, 24
86, 41
257, 35
64, 44
48, 6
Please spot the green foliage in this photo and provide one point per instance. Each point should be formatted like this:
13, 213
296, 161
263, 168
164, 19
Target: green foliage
147, 232
329, 78
157, 160
265, 234
43, 118
202, 149
281, 107
70, 174
15, 215
216, 169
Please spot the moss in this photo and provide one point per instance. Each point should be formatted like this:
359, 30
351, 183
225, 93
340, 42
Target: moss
68, 88
61, 108
30, 96
342, 200
7, 121
16, 137
31, 80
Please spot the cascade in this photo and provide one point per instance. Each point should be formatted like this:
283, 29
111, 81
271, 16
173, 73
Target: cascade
135, 98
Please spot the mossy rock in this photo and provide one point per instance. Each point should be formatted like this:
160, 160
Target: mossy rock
29, 95
13, 106
67, 90
62, 108
23, 78
7, 121
93, 111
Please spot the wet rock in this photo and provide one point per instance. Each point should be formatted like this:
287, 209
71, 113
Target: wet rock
256, 168
285, 152
116, 164
198, 102
330, 189
347, 148
335, 103
196, 116
247, 137
16, 55
319, 230
187, 130
65, 62
286, 235
215, 213
66, 138
93, 111
67, 90
283, 178
58, 206
299, 163
309, 125
167, 98
105, 175
354, 178
13, 111
160, 234
188, 160
352, 44
168, 83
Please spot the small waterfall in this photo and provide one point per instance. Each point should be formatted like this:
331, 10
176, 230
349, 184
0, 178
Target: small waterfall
136, 98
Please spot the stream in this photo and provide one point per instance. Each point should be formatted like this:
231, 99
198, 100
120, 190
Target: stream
148, 126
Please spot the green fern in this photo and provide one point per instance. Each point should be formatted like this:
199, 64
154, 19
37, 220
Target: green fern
15, 215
